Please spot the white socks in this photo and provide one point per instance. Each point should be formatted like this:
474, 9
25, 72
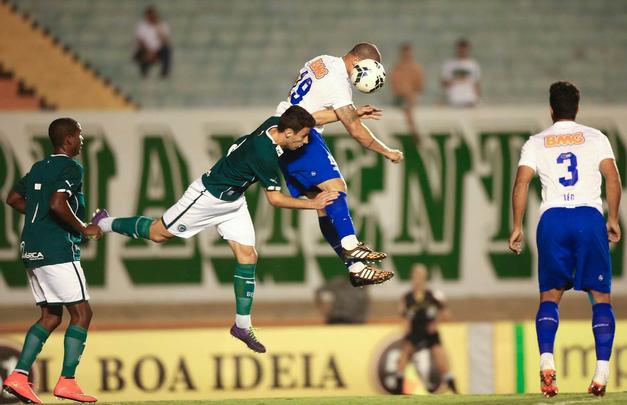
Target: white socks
356, 267
602, 373
547, 362
349, 242
242, 321
106, 223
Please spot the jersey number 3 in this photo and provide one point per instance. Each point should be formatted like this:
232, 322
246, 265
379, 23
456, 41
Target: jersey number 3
572, 168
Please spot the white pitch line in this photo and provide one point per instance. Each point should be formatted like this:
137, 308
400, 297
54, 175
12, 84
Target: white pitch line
579, 401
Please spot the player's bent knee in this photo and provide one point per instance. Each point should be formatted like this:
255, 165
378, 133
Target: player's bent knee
601, 298
50, 321
158, 232
247, 255
337, 184
554, 295
158, 238
80, 314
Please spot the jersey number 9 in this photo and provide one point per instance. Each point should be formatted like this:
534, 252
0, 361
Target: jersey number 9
300, 89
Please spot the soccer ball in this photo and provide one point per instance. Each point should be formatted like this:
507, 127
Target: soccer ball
368, 75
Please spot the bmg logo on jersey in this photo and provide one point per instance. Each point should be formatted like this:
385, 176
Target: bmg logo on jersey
552, 141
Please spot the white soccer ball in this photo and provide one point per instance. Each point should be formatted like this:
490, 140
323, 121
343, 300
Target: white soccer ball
368, 75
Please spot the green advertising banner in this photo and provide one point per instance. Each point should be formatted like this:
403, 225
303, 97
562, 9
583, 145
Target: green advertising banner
446, 205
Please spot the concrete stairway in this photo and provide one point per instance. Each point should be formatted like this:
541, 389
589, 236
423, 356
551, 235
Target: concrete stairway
57, 75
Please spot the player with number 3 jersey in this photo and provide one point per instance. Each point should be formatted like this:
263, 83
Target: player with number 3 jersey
572, 235
323, 87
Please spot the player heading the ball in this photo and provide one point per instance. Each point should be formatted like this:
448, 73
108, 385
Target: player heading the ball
323, 87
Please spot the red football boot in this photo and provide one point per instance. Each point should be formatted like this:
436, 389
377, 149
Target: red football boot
67, 388
547, 383
597, 389
18, 385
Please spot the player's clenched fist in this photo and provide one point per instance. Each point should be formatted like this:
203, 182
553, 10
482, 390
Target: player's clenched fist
92, 232
613, 231
515, 241
324, 198
394, 155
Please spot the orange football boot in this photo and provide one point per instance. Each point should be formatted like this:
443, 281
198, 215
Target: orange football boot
18, 385
67, 388
597, 389
547, 383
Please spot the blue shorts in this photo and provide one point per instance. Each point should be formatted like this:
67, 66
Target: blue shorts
573, 250
308, 166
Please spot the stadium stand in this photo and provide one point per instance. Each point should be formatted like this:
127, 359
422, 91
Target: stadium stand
246, 52
57, 75
15, 96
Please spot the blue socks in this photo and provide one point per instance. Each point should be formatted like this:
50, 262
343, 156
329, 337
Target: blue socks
603, 328
547, 321
331, 236
340, 217
329, 233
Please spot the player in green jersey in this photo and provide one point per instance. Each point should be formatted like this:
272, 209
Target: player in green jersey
50, 196
217, 199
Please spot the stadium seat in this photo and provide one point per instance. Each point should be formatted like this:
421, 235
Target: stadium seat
518, 41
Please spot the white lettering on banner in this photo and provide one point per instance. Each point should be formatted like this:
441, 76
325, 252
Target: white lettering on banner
446, 205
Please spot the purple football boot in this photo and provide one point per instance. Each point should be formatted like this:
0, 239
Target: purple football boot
248, 336
99, 215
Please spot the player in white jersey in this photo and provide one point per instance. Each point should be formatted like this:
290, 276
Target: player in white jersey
572, 236
323, 86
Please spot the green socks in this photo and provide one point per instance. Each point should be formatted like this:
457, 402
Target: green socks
34, 341
244, 287
134, 227
74, 344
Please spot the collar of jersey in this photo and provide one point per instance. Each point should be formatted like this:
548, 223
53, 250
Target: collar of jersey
59, 154
563, 123
279, 149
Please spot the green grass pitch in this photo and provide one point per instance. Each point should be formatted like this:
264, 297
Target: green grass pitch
526, 399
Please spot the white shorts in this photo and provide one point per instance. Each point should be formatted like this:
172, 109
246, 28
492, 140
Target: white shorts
197, 209
57, 284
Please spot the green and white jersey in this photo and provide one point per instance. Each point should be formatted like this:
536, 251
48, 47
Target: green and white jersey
45, 239
251, 158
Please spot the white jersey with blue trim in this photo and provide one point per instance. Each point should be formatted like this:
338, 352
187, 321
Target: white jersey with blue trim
566, 157
322, 83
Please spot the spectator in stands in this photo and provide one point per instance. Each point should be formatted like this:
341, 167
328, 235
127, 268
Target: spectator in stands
460, 77
423, 310
407, 85
153, 43
341, 303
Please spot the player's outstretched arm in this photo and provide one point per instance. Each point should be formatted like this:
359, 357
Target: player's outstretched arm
612, 194
61, 208
17, 201
365, 112
519, 203
350, 118
280, 200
